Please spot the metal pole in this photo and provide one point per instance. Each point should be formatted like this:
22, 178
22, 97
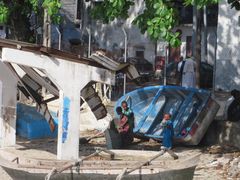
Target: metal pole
89, 41
165, 64
205, 33
59, 38
214, 66
46, 30
125, 58
194, 31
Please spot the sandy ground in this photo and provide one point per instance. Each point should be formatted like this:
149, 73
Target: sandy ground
214, 161
208, 167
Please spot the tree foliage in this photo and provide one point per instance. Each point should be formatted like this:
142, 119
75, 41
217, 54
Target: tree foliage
15, 14
235, 4
200, 3
9, 7
158, 17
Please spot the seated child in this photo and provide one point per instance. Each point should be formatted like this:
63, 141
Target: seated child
128, 112
124, 128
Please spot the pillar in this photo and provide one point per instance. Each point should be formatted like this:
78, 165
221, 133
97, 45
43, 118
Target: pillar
8, 100
68, 126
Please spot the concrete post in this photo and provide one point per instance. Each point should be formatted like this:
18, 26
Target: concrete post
68, 126
1, 120
125, 59
8, 88
70, 78
46, 30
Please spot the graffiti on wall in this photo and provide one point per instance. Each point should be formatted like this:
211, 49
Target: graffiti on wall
66, 107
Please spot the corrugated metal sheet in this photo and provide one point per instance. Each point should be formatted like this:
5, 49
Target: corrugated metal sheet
109, 63
95, 103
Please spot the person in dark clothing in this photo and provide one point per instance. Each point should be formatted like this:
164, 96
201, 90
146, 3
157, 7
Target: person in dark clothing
233, 111
124, 127
179, 70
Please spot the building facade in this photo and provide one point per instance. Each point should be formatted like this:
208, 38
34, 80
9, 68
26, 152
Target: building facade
227, 75
79, 29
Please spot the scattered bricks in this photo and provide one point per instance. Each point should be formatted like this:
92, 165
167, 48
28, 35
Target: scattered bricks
235, 162
234, 168
223, 161
215, 149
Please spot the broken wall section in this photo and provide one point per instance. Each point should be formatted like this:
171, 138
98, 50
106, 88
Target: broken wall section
8, 100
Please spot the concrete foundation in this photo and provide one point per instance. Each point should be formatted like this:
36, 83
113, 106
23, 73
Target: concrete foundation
223, 133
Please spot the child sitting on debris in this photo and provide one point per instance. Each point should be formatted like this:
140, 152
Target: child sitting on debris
128, 112
167, 132
124, 127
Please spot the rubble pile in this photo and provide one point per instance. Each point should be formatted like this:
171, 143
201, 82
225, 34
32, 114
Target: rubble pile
234, 168
227, 160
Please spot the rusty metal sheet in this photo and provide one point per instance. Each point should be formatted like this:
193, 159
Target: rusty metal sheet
95, 103
40, 80
107, 62
6, 43
31, 87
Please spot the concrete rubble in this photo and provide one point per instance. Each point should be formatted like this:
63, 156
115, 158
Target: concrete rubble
225, 160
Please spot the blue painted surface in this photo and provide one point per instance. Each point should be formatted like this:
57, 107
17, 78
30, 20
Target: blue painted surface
150, 103
66, 107
32, 125
168, 134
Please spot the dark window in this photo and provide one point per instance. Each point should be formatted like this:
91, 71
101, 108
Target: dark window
140, 54
79, 9
185, 13
212, 15
189, 46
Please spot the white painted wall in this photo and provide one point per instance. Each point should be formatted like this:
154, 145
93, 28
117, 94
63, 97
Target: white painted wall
8, 100
228, 54
70, 77
1, 119
110, 35
212, 43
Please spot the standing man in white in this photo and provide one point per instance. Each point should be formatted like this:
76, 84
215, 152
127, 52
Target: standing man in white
188, 72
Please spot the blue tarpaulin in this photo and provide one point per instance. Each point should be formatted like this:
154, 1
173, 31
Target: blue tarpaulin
32, 125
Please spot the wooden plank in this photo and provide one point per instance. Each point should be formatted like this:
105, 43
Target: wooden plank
95, 103
36, 77
138, 166
171, 153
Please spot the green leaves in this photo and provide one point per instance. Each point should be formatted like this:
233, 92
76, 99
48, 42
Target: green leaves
4, 12
234, 4
200, 3
158, 23
108, 10
29, 6
34, 4
53, 7
157, 19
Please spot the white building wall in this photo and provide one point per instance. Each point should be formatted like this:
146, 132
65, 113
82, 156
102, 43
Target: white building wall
228, 54
111, 36
8, 93
212, 43
68, 28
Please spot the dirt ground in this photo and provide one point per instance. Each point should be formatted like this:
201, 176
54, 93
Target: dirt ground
214, 162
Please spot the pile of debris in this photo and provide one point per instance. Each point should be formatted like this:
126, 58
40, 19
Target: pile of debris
227, 159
